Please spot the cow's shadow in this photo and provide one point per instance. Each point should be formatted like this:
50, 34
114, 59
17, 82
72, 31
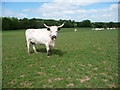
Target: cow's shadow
52, 51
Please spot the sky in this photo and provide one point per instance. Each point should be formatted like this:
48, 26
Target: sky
78, 10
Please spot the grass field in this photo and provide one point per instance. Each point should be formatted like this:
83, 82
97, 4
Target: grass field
82, 59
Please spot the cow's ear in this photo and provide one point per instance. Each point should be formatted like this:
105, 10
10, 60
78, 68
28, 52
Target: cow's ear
48, 29
59, 29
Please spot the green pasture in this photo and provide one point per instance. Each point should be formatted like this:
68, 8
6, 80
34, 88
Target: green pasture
82, 59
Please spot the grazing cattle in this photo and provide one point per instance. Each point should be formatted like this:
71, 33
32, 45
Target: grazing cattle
111, 28
96, 28
46, 36
99, 29
114, 28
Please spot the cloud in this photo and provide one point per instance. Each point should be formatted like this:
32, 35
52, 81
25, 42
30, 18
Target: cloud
105, 14
68, 10
6, 12
53, 10
60, 10
83, 2
26, 10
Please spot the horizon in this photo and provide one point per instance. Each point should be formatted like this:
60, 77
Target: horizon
62, 20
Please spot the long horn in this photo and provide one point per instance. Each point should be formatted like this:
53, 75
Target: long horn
46, 25
61, 25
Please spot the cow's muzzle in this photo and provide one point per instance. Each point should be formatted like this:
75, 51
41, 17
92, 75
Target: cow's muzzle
54, 37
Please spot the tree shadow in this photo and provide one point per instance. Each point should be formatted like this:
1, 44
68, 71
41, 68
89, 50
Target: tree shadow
52, 52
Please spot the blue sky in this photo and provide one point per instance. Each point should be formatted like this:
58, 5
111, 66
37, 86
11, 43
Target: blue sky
74, 10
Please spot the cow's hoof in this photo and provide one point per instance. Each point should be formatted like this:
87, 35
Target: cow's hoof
36, 52
28, 54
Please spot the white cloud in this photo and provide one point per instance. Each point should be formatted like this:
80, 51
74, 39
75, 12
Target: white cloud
53, 10
60, 10
6, 12
83, 2
68, 10
106, 14
26, 10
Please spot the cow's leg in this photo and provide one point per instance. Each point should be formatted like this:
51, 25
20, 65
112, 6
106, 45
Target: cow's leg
33, 45
28, 48
48, 50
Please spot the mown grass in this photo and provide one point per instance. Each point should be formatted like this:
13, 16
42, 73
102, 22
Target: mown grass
82, 59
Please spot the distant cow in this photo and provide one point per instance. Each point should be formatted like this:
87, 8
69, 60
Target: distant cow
75, 30
98, 29
46, 36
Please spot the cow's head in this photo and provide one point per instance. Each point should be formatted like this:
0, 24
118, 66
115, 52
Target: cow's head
53, 30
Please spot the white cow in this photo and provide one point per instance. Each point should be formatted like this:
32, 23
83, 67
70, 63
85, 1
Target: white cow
46, 36
75, 30
99, 29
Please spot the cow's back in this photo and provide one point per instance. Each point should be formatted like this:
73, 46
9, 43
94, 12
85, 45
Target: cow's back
38, 36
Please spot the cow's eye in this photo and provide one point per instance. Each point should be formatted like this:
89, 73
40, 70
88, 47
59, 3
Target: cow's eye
48, 29
59, 29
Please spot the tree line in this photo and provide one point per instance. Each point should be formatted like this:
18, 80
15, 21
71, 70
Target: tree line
12, 23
